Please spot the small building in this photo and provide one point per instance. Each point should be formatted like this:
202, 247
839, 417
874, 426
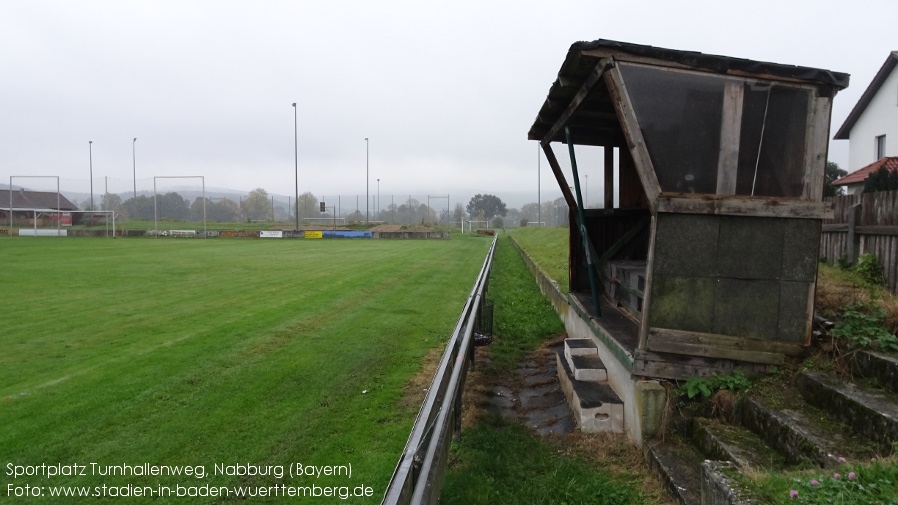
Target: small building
855, 181
872, 126
704, 256
35, 208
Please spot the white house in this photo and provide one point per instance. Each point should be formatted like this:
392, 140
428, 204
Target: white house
872, 126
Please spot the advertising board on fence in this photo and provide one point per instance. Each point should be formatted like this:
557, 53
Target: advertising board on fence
271, 234
313, 234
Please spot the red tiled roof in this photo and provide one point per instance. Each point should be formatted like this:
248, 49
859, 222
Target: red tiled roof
860, 175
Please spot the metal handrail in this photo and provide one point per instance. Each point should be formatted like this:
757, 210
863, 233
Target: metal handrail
418, 477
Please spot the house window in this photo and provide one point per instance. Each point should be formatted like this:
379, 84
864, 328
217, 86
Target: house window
880, 147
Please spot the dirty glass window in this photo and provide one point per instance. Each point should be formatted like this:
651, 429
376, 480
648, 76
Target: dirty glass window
681, 115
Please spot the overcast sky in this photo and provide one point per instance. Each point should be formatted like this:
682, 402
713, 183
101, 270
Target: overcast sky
445, 90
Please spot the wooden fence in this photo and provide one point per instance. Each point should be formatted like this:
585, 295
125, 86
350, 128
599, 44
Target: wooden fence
864, 224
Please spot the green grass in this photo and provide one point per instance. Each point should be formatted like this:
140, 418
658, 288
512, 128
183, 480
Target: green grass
548, 248
497, 462
524, 319
204, 352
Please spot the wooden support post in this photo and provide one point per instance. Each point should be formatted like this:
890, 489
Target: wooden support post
609, 177
854, 243
730, 129
559, 176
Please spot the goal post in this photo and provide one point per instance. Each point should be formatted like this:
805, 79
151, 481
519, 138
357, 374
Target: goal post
471, 224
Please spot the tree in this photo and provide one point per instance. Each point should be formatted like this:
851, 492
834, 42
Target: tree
882, 179
830, 174
227, 211
458, 213
111, 201
308, 206
531, 212
488, 205
139, 208
257, 205
172, 206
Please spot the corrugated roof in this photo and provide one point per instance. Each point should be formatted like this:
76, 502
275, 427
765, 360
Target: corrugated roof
860, 175
40, 200
869, 93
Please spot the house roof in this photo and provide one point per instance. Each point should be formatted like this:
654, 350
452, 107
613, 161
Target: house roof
868, 95
597, 124
860, 175
35, 200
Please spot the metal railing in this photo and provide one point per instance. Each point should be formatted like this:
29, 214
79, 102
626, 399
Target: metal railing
418, 477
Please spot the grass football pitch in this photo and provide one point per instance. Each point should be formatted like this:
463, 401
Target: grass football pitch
245, 360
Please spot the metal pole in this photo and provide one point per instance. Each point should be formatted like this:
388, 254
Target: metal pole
296, 163
155, 221
90, 151
539, 203
581, 217
378, 198
134, 159
366, 179
203, 178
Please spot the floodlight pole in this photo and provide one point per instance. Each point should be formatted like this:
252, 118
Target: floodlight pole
90, 151
378, 197
366, 179
134, 160
296, 165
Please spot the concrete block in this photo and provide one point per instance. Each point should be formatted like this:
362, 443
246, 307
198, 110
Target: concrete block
588, 367
595, 406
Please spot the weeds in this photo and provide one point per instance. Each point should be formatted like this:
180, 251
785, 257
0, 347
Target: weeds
873, 483
707, 386
862, 327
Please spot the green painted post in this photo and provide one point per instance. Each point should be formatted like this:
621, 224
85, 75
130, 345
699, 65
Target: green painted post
581, 218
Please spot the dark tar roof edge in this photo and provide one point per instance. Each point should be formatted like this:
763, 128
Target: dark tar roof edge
718, 63
869, 93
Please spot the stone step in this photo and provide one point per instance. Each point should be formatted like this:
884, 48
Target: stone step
743, 448
588, 367
718, 486
678, 465
803, 434
596, 407
871, 412
881, 367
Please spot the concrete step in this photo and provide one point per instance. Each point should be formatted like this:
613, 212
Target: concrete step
588, 367
871, 412
678, 465
579, 347
596, 407
718, 486
804, 434
875, 365
743, 448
